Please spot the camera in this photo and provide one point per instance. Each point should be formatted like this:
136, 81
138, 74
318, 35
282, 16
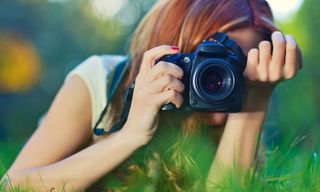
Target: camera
213, 76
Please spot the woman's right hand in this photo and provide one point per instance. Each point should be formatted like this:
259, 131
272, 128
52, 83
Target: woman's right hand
155, 86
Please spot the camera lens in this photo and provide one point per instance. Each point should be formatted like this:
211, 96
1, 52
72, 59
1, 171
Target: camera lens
213, 80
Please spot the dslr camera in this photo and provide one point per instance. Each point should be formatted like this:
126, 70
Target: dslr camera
213, 76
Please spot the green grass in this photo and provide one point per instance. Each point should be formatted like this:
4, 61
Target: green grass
286, 168
8, 151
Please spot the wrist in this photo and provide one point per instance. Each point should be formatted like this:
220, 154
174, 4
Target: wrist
247, 121
133, 139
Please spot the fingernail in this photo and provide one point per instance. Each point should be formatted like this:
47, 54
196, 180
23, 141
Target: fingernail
278, 33
175, 48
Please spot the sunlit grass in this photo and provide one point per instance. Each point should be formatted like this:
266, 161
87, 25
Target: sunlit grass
286, 167
291, 171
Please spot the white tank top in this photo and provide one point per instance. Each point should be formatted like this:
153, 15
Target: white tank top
97, 72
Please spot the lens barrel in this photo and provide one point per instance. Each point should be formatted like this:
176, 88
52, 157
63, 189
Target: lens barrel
213, 80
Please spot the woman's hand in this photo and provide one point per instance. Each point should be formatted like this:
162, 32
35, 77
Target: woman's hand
155, 86
267, 66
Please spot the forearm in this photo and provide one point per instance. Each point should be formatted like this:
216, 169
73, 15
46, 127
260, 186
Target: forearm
80, 170
239, 141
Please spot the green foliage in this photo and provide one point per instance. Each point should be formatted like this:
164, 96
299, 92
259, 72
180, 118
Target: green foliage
289, 171
295, 107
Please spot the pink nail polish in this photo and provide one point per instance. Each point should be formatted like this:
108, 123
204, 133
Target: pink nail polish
175, 48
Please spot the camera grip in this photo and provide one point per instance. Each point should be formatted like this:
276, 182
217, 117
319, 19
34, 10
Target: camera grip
168, 107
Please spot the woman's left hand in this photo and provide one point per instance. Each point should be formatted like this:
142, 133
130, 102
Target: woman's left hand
268, 66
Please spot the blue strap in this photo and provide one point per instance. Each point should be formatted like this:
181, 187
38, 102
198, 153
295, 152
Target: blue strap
118, 75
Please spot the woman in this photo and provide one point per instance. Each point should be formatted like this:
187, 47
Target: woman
63, 153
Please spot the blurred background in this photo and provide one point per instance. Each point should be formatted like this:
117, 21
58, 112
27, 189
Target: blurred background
42, 40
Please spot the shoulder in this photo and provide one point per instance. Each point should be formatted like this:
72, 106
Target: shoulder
96, 72
96, 64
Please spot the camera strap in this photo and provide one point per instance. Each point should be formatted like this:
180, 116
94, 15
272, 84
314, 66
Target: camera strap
230, 44
116, 79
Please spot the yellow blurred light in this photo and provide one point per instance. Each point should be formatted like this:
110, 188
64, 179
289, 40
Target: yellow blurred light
19, 64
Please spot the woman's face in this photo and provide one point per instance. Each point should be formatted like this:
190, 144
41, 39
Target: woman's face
247, 38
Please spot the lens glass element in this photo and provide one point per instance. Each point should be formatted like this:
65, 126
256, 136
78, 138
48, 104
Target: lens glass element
212, 81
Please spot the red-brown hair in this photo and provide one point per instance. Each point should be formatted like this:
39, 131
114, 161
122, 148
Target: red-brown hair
186, 23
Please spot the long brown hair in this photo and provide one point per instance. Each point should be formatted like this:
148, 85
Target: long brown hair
185, 23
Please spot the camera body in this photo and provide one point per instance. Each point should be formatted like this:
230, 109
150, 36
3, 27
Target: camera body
213, 76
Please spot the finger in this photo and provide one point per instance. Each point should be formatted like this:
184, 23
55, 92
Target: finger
151, 55
252, 64
291, 62
264, 60
164, 83
163, 68
170, 96
278, 55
